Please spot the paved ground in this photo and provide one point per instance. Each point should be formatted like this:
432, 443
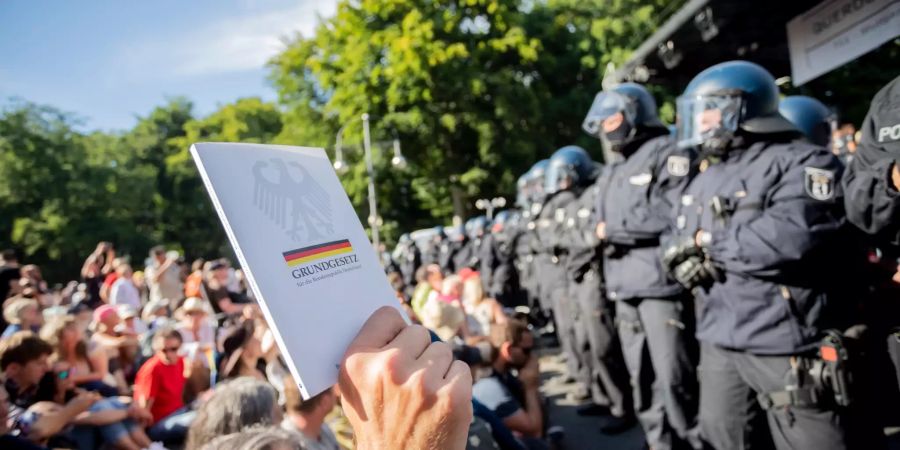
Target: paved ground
581, 432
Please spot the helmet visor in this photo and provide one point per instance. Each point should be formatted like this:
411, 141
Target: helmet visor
606, 104
705, 118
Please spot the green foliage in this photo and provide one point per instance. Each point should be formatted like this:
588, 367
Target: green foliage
475, 90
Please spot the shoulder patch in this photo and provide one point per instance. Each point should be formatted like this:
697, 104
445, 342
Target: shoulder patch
819, 183
678, 166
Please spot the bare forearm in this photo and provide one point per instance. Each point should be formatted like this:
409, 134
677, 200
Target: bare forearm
534, 411
101, 417
49, 424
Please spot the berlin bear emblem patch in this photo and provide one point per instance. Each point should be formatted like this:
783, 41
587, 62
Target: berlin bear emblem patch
678, 166
819, 183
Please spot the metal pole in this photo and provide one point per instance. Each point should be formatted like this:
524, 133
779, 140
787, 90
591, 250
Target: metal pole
490, 211
370, 168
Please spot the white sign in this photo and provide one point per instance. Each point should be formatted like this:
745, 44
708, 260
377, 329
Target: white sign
838, 31
306, 256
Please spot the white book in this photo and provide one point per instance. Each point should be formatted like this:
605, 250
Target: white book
307, 258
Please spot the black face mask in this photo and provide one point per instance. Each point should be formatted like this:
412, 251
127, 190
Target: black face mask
618, 138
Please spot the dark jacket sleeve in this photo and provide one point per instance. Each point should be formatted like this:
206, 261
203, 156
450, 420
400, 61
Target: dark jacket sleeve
872, 202
791, 224
650, 215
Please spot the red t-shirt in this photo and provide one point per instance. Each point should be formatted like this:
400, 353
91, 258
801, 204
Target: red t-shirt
110, 279
163, 383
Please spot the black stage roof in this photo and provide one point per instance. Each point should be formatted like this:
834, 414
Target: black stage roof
706, 32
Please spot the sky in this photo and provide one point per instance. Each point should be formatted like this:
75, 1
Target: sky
109, 61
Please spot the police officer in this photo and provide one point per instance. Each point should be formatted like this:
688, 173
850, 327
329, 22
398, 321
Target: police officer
431, 246
409, 259
562, 190
471, 254
523, 248
872, 199
654, 316
503, 283
457, 240
608, 384
756, 234
814, 120
872, 183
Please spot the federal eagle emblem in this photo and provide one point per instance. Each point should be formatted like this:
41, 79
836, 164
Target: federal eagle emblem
289, 196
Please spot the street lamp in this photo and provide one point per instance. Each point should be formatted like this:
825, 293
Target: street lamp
488, 205
341, 167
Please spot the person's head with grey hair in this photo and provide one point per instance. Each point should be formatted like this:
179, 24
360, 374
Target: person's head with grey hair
235, 405
256, 438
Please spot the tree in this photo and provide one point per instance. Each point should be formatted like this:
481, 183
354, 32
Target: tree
477, 90
60, 193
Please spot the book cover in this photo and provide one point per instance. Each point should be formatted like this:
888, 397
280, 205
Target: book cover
307, 258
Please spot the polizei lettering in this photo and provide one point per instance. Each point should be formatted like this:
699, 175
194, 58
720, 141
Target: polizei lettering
326, 265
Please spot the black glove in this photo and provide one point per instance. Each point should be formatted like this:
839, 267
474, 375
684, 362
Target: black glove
695, 271
679, 251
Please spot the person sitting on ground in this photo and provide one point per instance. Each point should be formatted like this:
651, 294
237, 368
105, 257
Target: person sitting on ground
429, 279
396, 281
242, 353
22, 315
7, 439
123, 291
87, 368
194, 282
31, 274
234, 405
159, 387
196, 330
114, 340
131, 321
163, 275
306, 418
24, 363
481, 312
400, 390
514, 399
443, 313
111, 278
222, 300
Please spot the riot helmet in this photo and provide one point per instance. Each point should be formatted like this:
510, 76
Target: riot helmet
522, 194
569, 167
723, 101
811, 117
535, 181
619, 114
476, 226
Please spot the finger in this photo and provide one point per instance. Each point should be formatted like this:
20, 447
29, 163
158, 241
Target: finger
459, 381
411, 342
436, 360
380, 329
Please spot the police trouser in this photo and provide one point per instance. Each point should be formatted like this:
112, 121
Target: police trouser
893, 345
554, 285
735, 386
660, 351
599, 345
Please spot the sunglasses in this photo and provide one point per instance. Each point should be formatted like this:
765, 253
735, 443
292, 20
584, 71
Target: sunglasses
526, 351
171, 349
